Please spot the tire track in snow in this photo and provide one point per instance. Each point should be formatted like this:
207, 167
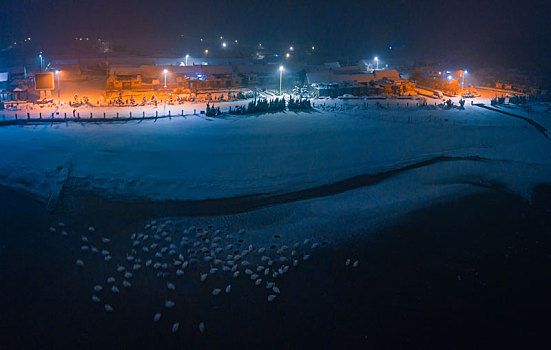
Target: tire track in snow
246, 203
538, 127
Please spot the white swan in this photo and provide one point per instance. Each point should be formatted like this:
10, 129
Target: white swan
175, 327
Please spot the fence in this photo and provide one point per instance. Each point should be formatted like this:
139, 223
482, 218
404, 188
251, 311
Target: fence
26, 117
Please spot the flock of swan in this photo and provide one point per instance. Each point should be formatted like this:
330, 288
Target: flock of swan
172, 253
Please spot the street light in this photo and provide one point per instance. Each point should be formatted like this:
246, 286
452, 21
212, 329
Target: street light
187, 56
313, 48
287, 55
165, 71
206, 52
291, 48
58, 87
224, 44
377, 61
463, 81
41, 60
280, 76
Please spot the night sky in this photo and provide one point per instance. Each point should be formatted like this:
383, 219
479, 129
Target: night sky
479, 32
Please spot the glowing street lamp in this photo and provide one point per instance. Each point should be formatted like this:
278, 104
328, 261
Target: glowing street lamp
280, 76
463, 81
206, 52
187, 56
41, 60
165, 71
377, 61
58, 87
224, 44
313, 48
287, 55
291, 48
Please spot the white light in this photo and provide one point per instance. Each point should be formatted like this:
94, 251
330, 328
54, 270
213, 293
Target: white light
376, 58
449, 77
223, 44
57, 72
287, 55
291, 48
281, 68
236, 41
165, 71
206, 51
313, 48
466, 71
221, 37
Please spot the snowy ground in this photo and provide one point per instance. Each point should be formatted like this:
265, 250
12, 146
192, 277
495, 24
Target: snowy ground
196, 158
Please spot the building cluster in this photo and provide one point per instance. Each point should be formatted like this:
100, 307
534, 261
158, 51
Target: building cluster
358, 81
114, 77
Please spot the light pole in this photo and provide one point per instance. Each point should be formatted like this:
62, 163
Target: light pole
463, 81
41, 60
58, 87
165, 71
377, 61
187, 56
280, 76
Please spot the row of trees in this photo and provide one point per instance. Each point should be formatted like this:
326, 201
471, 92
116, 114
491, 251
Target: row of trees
277, 105
299, 103
261, 105
212, 111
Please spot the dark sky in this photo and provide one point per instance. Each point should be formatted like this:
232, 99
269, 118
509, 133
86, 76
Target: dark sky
487, 32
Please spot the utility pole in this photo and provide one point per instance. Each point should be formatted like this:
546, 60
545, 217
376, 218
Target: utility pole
280, 76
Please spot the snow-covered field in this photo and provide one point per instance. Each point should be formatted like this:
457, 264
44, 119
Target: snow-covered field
195, 158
